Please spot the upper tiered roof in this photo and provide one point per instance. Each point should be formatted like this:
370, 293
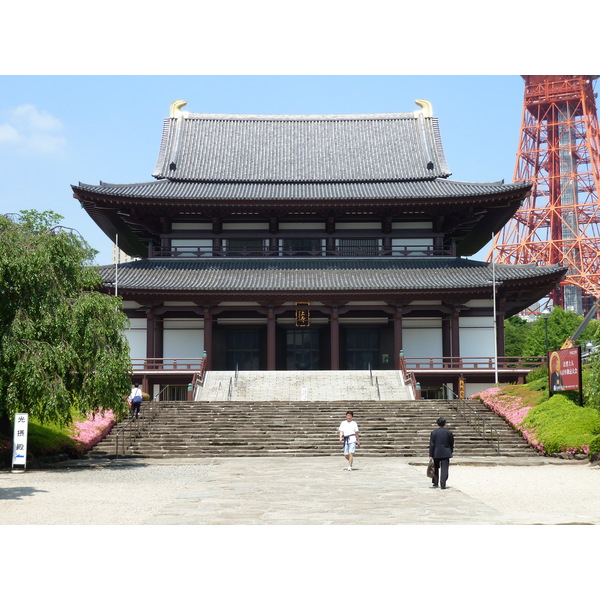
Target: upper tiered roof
301, 148
212, 166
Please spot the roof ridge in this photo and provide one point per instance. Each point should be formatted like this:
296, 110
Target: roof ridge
302, 117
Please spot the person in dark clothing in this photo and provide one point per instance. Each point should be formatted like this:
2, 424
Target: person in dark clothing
441, 446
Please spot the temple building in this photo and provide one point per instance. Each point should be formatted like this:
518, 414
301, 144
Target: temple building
293, 242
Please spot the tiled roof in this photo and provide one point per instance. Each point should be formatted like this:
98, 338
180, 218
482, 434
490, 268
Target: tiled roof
186, 191
301, 148
318, 275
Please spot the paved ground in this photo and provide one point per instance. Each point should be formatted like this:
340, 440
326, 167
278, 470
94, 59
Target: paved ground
301, 491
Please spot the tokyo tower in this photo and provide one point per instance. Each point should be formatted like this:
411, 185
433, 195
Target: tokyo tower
559, 223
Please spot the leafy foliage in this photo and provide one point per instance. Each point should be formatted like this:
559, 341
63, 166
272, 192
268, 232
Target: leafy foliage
592, 397
523, 338
516, 331
61, 342
561, 426
539, 374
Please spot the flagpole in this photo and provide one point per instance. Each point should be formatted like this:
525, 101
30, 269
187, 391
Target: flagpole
495, 315
117, 264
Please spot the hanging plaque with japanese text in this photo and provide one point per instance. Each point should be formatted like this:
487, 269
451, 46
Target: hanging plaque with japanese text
302, 314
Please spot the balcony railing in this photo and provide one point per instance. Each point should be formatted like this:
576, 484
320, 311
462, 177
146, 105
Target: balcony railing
427, 363
340, 251
168, 364
468, 363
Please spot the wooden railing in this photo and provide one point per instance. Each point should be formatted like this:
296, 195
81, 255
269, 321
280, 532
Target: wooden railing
469, 363
409, 377
338, 251
169, 364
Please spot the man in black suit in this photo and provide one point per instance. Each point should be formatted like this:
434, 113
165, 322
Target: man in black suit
441, 446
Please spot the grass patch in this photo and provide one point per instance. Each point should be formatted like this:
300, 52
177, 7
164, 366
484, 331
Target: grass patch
529, 395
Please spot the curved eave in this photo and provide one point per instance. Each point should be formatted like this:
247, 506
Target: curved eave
395, 280
220, 193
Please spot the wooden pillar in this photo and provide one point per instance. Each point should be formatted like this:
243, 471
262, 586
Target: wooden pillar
208, 337
454, 324
159, 348
500, 316
150, 335
334, 326
397, 337
271, 349
446, 338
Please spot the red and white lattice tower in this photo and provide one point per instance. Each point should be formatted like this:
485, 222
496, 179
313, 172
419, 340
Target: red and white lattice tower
559, 223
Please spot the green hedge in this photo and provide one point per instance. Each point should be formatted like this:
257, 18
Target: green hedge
562, 426
539, 374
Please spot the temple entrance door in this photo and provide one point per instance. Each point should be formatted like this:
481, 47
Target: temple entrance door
243, 350
302, 350
362, 349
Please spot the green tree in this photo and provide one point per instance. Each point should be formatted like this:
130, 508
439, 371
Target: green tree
61, 342
561, 325
516, 332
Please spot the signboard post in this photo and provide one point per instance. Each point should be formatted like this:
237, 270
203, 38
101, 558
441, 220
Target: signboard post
20, 442
564, 371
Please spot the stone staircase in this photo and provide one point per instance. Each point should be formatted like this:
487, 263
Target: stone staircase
308, 386
297, 414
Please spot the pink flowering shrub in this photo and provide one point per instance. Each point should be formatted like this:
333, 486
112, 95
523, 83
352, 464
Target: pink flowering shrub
92, 430
534, 423
512, 410
509, 407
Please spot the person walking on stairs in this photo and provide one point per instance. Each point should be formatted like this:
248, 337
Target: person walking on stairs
350, 437
136, 401
441, 447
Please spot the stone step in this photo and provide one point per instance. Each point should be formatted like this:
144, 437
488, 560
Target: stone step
258, 424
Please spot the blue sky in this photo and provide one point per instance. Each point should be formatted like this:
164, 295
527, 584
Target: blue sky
59, 130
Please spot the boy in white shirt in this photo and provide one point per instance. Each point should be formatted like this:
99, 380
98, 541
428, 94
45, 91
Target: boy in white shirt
350, 437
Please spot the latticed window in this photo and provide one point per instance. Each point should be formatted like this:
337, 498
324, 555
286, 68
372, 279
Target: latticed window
249, 247
359, 247
301, 247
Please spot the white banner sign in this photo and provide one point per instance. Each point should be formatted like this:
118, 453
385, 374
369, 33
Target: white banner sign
20, 439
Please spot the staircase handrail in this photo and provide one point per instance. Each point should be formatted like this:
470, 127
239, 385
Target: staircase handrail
408, 376
202, 373
377, 388
466, 412
230, 390
148, 412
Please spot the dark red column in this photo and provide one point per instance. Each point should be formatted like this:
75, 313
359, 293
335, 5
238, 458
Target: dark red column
454, 324
271, 350
334, 325
208, 335
397, 337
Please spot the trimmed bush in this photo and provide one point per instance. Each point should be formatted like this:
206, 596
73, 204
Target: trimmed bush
595, 445
539, 374
561, 426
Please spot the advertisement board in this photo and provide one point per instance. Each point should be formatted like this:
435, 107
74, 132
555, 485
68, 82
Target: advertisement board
564, 370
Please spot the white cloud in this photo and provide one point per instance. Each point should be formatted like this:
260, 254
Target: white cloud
28, 129
8, 133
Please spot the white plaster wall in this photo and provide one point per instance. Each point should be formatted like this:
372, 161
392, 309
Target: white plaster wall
422, 337
477, 336
136, 336
183, 338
